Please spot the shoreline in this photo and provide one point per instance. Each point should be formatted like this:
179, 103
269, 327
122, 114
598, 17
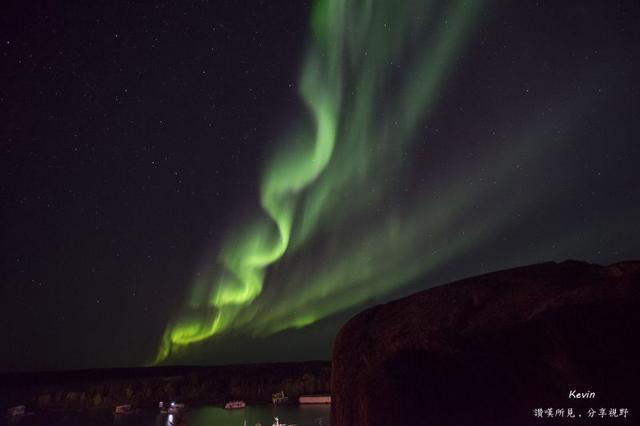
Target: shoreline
144, 387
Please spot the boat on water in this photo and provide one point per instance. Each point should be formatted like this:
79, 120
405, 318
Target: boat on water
171, 408
314, 399
235, 404
123, 409
279, 397
177, 408
18, 410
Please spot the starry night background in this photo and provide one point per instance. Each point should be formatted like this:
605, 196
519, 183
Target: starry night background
134, 134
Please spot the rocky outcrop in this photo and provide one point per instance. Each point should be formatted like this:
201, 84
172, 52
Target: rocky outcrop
145, 387
494, 348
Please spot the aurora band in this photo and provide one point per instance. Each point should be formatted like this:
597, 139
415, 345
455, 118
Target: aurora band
330, 216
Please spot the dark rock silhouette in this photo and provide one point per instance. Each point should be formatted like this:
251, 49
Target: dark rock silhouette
493, 348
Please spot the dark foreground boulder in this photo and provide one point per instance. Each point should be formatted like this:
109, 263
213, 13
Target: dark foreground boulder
495, 349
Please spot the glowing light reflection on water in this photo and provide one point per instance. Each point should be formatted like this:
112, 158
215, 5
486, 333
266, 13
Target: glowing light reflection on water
304, 415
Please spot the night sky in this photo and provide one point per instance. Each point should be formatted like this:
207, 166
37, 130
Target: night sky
228, 181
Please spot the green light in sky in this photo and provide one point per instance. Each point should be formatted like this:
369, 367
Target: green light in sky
329, 219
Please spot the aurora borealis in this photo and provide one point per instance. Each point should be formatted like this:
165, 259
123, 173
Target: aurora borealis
232, 183
347, 153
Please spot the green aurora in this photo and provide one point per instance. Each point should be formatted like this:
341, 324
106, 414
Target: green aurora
334, 229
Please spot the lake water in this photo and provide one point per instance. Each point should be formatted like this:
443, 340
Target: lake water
301, 415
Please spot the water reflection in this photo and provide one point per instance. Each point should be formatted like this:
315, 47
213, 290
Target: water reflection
261, 415
175, 420
204, 416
